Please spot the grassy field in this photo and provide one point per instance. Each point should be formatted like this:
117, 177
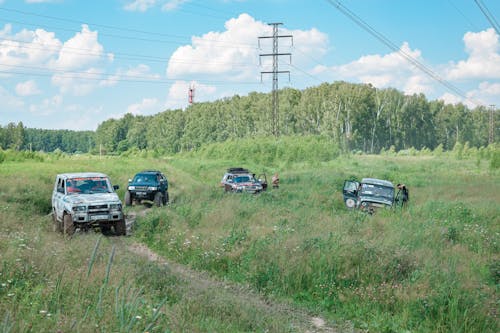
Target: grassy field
433, 267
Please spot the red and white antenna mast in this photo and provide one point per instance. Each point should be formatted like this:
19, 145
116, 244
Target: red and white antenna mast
191, 93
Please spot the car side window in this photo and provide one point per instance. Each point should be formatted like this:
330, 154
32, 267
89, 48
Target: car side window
60, 185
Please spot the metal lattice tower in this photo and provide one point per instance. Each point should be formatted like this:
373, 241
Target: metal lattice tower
275, 72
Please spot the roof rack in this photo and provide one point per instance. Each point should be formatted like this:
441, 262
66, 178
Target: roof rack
238, 170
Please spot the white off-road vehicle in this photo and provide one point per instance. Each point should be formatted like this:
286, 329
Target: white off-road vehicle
86, 200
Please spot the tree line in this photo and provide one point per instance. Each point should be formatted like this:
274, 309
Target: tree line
354, 116
17, 137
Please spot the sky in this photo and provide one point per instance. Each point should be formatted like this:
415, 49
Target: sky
72, 64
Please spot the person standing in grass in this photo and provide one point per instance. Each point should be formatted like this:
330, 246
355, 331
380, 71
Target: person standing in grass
276, 181
403, 194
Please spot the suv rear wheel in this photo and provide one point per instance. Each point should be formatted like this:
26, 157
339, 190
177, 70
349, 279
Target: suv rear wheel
57, 225
128, 198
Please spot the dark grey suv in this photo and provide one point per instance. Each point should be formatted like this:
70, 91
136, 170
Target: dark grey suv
149, 185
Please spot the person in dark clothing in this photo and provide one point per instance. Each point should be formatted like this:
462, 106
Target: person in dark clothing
403, 194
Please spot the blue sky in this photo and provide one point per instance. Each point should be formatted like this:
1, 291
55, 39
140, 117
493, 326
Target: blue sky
69, 64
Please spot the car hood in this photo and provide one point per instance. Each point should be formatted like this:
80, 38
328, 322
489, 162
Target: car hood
93, 198
147, 184
248, 184
379, 200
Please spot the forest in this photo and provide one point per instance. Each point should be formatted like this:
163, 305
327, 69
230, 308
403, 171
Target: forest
355, 117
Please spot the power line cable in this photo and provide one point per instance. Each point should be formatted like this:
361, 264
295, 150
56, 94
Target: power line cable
126, 56
365, 26
463, 15
488, 15
112, 77
229, 43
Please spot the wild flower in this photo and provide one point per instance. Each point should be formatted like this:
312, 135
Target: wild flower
138, 317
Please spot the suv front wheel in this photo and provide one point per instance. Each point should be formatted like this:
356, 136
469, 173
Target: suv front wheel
69, 227
121, 228
158, 199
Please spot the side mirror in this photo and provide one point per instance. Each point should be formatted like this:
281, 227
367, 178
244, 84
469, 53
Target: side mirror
129, 180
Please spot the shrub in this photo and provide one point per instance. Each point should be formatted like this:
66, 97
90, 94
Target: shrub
495, 160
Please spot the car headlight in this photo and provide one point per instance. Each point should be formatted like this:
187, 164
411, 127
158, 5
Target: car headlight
152, 188
115, 206
131, 188
80, 209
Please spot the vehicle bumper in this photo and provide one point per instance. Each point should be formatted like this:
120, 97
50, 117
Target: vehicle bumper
97, 218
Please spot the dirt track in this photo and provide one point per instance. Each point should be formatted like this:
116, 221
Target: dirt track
200, 281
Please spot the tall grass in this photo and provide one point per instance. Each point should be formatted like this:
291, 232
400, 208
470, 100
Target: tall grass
93, 283
427, 268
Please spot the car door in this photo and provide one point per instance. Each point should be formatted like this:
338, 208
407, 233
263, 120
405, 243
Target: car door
57, 201
263, 181
350, 193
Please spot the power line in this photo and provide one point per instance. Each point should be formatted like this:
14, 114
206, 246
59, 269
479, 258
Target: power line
117, 78
488, 15
463, 15
365, 26
127, 56
183, 37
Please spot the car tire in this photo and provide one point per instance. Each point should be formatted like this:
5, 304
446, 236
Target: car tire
120, 228
165, 198
57, 225
350, 203
128, 198
105, 229
158, 199
68, 225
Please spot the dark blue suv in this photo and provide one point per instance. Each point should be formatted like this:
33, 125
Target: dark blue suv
149, 185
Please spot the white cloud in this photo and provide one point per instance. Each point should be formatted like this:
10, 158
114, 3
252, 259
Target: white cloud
78, 83
144, 5
78, 117
486, 94
233, 55
383, 71
450, 98
80, 51
9, 101
48, 106
173, 4
140, 5
484, 57
141, 72
27, 88
147, 104
27, 48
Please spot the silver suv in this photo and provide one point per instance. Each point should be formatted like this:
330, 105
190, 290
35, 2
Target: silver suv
86, 200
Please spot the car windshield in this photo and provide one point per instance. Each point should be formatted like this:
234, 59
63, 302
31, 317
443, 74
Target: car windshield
242, 179
88, 185
144, 178
373, 190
